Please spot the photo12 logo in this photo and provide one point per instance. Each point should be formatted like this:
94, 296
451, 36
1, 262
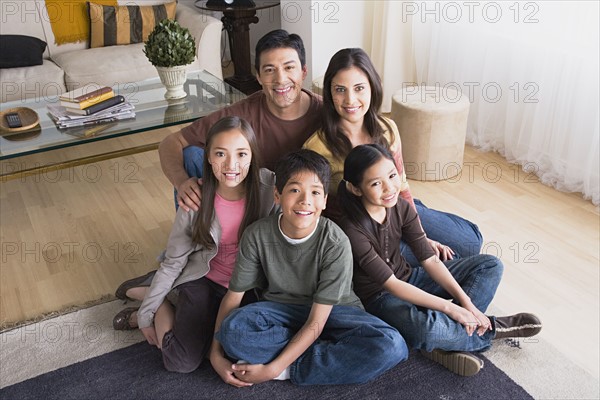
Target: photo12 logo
489, 92
326, 12
116, 172
69, 252
68, 332
471, 171
470, 11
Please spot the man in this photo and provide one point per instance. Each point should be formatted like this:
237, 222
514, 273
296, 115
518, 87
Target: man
282, 114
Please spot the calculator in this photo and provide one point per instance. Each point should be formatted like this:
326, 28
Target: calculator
13, 120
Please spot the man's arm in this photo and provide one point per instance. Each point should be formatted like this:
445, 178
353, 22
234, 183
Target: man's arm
170, 152
222, 365
306, 336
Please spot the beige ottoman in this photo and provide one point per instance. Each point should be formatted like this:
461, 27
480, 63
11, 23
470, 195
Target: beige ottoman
433, 124
317, 85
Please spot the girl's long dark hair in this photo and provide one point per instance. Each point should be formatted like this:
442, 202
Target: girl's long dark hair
358, 161
332, 134
201, 230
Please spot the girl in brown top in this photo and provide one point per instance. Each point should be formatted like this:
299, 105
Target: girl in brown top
414, 299
352, 97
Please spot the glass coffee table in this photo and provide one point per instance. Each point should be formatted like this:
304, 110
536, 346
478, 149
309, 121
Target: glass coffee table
206, 93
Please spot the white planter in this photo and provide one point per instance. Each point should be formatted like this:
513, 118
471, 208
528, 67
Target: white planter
176, 112
173, 78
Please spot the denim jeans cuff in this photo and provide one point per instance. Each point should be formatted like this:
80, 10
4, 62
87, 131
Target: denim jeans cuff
293, 368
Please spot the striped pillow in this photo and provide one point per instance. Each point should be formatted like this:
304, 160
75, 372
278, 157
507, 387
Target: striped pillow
111, 26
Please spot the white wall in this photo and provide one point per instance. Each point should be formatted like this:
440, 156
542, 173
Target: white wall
326, 27
269, 19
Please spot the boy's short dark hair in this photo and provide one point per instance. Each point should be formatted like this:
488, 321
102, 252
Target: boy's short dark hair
302, 160
279, 39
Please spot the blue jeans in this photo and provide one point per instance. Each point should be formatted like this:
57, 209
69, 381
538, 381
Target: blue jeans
426, 329
354, 346
461, 235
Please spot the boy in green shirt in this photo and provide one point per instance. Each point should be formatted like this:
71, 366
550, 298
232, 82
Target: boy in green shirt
310, 326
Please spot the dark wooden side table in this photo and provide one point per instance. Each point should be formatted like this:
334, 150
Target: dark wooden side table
237, 22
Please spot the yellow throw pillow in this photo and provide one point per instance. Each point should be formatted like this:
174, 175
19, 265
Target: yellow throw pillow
111, 26
70, 19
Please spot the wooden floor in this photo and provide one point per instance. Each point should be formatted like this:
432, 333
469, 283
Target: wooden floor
72, 236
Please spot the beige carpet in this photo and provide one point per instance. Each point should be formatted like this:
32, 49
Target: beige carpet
35, 349
42, 347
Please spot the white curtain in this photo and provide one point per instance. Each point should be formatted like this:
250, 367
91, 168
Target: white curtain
390, 46
530, 70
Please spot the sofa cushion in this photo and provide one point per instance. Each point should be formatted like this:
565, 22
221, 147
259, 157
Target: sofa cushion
40, 81
21, 51
69, 20
119, 25
105, 66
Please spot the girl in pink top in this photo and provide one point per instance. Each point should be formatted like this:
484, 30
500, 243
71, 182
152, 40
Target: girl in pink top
201, 250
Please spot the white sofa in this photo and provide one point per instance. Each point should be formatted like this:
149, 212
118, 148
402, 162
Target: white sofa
71, 65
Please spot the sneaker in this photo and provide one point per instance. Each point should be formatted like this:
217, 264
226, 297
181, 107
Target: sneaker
283, 376
519, 325
461, 363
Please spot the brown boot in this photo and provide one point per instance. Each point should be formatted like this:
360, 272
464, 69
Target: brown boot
122, 321
461, 363
140, 281
517, 326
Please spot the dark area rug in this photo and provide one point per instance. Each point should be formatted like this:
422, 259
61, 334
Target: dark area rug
136, 372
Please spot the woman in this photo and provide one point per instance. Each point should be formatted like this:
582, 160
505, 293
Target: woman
352, 96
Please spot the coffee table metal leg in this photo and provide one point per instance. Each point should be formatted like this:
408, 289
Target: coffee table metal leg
77, 162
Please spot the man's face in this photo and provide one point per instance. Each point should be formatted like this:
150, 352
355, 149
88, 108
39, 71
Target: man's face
302, 200
281, 76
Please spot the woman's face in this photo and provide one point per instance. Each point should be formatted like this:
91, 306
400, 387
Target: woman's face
230, 157
351, 94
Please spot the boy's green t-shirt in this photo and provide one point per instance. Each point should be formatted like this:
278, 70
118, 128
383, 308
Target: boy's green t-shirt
316, 271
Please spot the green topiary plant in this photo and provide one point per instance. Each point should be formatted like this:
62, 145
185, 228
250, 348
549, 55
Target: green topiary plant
170, 45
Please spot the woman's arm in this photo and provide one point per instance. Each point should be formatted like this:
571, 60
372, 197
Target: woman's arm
404, 188
396, 150
442, 251
306, 336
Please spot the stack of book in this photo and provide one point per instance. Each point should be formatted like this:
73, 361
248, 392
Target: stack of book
90, 104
